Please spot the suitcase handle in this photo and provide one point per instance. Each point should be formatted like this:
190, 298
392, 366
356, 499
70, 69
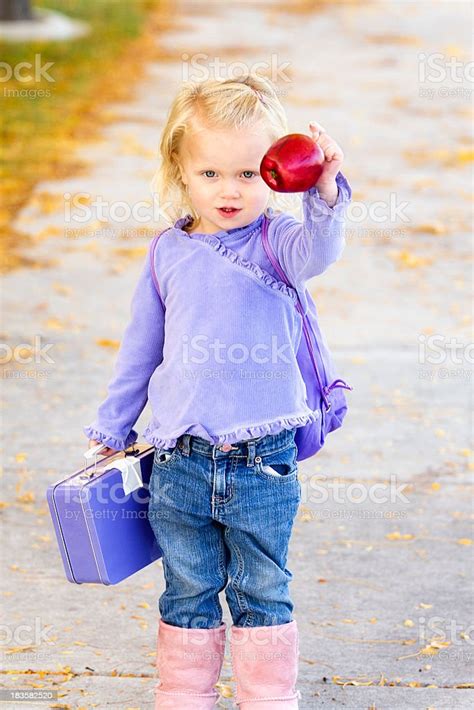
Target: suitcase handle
92, 454
129, 467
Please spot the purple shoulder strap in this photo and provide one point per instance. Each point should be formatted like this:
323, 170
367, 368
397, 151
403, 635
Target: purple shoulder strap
274, 261
152, 265
269, 252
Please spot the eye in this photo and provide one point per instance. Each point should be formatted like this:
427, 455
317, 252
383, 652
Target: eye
248, 173
209, 171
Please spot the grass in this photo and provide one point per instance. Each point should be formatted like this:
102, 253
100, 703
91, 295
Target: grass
41, 128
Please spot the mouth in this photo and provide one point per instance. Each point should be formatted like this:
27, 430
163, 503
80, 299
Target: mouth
228, 211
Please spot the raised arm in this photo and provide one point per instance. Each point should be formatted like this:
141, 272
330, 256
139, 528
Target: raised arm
140, 352
306, 249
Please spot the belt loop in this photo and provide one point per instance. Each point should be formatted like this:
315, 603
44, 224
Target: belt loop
185, 444
250, 452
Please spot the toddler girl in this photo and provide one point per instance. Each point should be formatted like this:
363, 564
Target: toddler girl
212, 343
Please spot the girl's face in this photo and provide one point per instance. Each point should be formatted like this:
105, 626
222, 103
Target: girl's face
221, 169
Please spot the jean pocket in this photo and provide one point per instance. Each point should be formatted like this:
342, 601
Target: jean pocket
278, 466
164, 456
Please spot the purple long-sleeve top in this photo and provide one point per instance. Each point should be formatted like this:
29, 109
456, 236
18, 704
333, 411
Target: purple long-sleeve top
213, 333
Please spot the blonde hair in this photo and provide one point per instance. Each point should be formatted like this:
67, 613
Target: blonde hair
220, 103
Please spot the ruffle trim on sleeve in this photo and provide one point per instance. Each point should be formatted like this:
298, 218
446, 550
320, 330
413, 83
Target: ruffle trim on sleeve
238, 434
260, 273
344, 195
117, 444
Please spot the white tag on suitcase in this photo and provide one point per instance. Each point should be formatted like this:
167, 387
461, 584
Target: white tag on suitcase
131, 472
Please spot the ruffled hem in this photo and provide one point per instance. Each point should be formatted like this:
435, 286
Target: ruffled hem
117, 444
233, 256
238, 434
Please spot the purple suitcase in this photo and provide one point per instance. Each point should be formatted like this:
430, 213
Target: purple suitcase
103, 533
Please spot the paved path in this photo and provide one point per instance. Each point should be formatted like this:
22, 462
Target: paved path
381, 588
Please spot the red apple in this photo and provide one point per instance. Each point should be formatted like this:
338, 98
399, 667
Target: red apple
293, 163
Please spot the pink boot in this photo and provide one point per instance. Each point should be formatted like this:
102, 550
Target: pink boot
189, 662
265, 666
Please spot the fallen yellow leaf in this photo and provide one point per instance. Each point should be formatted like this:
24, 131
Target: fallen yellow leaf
108, 343
433, 228
27, 497
398, 536
225, 690
406, 259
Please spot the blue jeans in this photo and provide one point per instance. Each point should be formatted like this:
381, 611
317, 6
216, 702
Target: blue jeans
223, 520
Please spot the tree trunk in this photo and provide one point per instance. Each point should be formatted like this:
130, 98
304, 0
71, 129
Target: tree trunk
13, 10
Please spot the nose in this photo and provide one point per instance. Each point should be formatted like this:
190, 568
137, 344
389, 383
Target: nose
229, 191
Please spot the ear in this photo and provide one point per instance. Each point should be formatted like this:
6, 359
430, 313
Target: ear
180, 167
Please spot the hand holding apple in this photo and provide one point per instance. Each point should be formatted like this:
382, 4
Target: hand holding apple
333, 158
293, 163
296, 162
